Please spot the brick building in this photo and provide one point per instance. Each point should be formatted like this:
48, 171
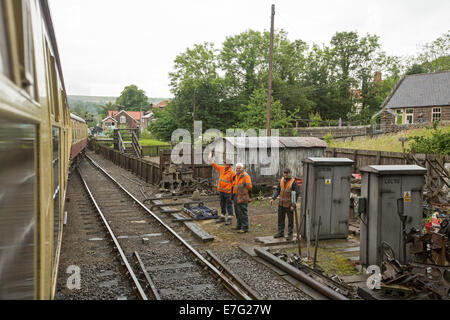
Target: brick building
122, 118
418, 98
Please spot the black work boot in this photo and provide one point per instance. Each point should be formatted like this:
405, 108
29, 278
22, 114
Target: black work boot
278, 235
289, 237
220, 219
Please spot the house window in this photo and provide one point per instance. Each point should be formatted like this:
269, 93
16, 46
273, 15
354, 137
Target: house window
436, 114
399, 117
123, 119
409, 116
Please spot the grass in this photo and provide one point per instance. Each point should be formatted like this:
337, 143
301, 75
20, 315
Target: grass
152, 142
388, 142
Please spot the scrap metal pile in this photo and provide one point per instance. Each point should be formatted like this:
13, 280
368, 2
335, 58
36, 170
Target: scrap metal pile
179, 180
428, 276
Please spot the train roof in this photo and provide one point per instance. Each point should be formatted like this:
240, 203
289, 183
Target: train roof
75, 117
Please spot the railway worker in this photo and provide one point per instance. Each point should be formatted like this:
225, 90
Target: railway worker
226, 175
242, 191
284, 189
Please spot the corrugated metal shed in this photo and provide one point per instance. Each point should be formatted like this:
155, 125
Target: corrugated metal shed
267, 167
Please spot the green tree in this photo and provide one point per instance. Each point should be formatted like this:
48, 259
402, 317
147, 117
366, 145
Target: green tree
254, 115
435, 56
194, 66
132, 98
416, 69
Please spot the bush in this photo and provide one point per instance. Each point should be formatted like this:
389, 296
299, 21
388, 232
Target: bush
328, 138
439, 142
315, 119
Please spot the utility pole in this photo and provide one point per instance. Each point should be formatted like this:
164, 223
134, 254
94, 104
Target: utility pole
193, 136
269, 90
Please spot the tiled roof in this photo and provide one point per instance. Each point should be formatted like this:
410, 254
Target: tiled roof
421, 90
134, 114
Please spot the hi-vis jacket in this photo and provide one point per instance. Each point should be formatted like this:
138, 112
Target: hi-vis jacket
284, 189
242, 187
225, 178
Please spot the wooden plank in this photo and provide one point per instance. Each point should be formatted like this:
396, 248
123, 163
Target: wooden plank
199, 232
178, 217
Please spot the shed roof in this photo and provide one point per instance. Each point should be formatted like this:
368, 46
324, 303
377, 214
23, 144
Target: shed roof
283, 142
421, 90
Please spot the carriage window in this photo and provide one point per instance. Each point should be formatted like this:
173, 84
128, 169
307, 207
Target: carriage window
56, 190
17, 210
4, 56
25, 44
54, 88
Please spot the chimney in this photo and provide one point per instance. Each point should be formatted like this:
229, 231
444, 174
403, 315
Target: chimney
120, 108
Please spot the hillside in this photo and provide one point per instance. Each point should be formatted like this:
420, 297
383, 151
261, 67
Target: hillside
97, 100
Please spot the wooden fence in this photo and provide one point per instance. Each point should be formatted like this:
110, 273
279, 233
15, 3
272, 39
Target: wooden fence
437, 175
149, 171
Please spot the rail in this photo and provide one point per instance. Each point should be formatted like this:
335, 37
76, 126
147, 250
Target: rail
224, 280
130, 272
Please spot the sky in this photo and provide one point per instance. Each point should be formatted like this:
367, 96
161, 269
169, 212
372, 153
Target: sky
106, 45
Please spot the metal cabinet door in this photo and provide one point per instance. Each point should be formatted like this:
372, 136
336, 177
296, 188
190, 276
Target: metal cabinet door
340, 211
389, 223
413, 204
324, 192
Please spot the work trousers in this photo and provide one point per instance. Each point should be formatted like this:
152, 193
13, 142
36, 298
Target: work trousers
282, 218
241, 210
226, 204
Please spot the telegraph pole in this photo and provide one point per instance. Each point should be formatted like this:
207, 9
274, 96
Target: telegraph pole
269, 90
193, 136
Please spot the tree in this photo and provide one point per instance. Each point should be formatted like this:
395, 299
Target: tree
132, 98
194, 66
415, 69
435, 56
243, 58
254, 115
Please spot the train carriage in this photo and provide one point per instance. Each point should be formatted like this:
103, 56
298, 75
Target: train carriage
36, 136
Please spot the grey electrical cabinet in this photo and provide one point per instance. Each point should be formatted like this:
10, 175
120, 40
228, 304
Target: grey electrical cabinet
393, 206
326, 193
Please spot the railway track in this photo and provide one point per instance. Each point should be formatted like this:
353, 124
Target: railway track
159, 262
101, 274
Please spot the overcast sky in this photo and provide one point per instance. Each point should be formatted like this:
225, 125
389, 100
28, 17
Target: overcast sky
107, 44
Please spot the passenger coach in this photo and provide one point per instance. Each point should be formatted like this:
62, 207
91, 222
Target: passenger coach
36, 136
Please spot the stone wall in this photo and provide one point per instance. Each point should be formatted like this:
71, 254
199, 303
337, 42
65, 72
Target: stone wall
336, 132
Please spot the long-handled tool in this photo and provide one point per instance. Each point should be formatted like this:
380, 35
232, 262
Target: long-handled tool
294, 204
316, 244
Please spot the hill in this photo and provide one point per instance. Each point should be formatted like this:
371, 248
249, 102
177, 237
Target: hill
97, 100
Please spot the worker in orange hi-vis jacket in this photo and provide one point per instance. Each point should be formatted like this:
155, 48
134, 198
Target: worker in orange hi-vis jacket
242, 196
226, 175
